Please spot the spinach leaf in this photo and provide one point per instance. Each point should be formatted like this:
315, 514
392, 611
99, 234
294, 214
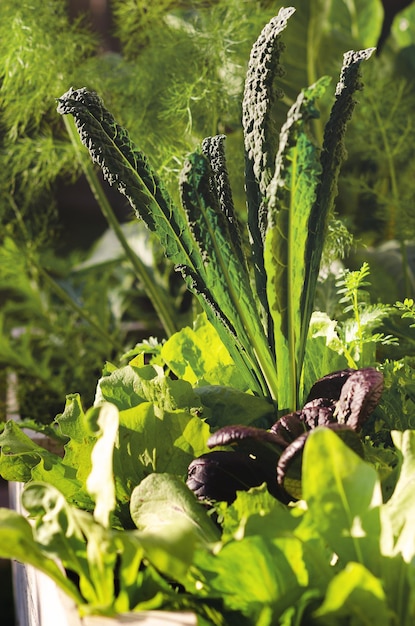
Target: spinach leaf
163, 499
354, 592
343, 496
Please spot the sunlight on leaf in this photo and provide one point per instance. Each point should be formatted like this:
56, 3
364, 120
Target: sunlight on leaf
343, 495
100, 482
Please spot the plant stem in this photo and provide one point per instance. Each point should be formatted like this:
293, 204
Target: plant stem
392, 172
62, 295
152, 290
358, 322
405, 268
318, 17
354, 26
292, 306
395, 196
57, 289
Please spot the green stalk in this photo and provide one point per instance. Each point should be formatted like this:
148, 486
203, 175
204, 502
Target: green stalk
405, 268
153, 292
392, 171
293, 372
58, 290
318, 17
395, 195
351, 6
62, 295
356, 313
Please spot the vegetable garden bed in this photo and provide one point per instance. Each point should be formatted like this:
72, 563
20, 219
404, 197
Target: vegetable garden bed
303, 514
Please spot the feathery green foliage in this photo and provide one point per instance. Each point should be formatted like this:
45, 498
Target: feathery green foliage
358, 331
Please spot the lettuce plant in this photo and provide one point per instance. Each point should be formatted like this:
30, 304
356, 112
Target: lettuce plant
260, 306
337, 555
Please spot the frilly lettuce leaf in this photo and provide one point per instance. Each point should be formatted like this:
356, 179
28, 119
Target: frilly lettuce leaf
199, 356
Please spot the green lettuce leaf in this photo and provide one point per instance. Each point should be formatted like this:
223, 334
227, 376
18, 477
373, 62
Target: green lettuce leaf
109, 563
100, 482
23, 460
80, 429
61, 530
199, 356
122, 386
151, 440
19, 453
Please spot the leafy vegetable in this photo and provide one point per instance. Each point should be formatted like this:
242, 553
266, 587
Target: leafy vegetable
108, 563
290, 196
341, 401
126, 436
337, 552
114, 507
360, 528
17, 542
162, 500
291, 576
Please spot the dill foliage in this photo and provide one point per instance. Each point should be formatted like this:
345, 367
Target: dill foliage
378, 183
177, 77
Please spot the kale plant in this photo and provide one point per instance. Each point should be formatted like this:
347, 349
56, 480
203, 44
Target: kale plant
261, 306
